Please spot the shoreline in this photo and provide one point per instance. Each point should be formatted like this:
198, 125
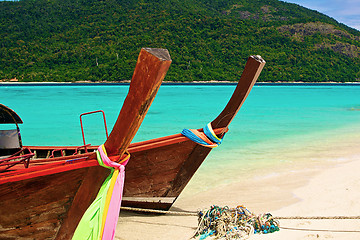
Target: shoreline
217, 83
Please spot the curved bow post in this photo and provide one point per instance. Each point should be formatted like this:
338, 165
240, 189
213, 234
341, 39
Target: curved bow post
150, 70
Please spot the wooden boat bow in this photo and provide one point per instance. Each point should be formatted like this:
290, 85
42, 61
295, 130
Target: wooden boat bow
251, 72
161, 168
47, 199
152, 66
54, 193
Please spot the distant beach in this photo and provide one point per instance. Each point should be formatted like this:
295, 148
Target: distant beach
14, 83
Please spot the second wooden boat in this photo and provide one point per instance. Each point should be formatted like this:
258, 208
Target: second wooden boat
161, 168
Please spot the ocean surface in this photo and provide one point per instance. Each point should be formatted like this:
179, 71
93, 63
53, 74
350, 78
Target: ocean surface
278, 124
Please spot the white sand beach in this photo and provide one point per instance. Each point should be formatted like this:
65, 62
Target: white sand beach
323, 188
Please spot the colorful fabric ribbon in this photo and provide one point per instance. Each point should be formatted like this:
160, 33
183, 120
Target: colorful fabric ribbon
207, 138
100, 219
209, 132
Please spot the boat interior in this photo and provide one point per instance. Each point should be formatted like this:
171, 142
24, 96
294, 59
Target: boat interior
13, 155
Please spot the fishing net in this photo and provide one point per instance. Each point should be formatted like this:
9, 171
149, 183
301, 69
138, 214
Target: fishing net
233, 223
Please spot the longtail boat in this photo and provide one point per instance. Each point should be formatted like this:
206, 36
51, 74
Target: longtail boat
161, 168
44, 191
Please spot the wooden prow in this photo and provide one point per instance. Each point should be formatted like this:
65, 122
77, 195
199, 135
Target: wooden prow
251, 72
150, 70
247, 80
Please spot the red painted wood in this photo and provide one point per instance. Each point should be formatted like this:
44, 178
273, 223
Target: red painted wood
84, 196
145, 83
57, 192
35, 208
48, 199
44, 170
164, 170
252, 70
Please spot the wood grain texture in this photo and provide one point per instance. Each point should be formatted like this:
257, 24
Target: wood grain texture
149, 73
165, 169
35, 208
48, 199
49, 206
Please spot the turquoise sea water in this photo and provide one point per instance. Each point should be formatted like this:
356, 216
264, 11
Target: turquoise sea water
274, 123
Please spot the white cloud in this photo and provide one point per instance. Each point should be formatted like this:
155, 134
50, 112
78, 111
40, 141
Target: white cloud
344, 11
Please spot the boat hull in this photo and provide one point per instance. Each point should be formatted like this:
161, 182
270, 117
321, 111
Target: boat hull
38, 208
159, 170
47, 197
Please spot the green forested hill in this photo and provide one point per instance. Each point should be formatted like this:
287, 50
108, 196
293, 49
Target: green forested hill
79, 40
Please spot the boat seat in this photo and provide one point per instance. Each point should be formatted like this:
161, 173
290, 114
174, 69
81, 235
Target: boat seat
9, 142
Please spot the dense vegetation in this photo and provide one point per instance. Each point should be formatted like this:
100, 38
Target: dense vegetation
95, 40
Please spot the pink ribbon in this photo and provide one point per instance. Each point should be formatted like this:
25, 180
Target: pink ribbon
116, 197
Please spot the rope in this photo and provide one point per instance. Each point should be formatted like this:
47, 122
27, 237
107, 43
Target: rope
320, 217
183, 213
320, 230
247, 229
195, 213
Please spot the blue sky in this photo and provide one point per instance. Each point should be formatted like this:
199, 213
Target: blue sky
344, 11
